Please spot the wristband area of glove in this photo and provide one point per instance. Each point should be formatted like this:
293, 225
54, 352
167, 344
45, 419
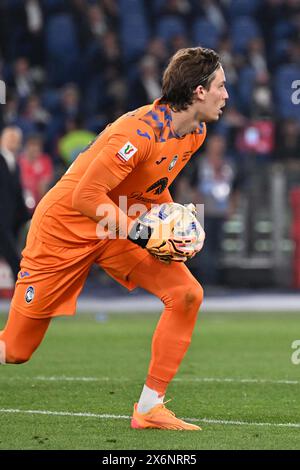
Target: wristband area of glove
140, 234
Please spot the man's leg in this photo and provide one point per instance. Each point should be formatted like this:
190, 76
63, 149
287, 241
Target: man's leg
182, 296
20, 337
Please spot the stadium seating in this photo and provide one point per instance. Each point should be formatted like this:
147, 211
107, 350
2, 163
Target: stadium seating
205, 33
134, 32
245, 88
244, 29
62, 49
243, 8
170, 26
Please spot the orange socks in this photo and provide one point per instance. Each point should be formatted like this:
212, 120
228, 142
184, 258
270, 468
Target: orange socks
182, 296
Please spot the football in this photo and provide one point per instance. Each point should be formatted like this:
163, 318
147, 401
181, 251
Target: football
179, 225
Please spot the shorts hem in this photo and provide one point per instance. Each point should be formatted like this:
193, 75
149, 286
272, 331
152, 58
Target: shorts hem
41, 314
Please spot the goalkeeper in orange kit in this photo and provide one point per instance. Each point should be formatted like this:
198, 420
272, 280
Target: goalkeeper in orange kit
134, 159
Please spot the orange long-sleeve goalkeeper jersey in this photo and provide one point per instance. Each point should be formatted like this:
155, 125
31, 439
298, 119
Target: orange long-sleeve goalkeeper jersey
137, 157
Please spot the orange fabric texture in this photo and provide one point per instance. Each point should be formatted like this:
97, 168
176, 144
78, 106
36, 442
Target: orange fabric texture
55, 277
182, 296
22, 335
138, 156
67, 215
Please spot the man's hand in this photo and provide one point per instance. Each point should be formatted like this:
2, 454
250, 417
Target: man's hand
170, 232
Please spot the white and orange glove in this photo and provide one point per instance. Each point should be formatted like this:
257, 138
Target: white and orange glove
170, 232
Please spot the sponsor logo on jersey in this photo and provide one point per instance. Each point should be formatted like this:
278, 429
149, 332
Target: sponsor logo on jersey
158, 162
159, 186
187, 155
173, 162
138, 195
126, 152
24, 274
143, 134
29, 294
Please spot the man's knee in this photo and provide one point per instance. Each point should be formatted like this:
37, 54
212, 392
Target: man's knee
187, 296
194, 295
9, 356
18, 358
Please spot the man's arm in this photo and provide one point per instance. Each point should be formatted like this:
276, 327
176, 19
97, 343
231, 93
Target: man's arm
91, 194
107, 170
165, 197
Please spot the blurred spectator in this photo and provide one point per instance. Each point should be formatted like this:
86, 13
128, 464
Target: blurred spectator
257, 138
35, 23
146, 88
13, 212
74, 140
175, 7
111, 60
25, 80
217, 185
178, 41
262, 103
97, 21
35, 113
213, 11
257, 56
157, 48
10, 110
36, 171
288, 142
70, 101
34, 16
228, 60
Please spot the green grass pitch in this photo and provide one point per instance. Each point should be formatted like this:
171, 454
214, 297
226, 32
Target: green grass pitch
237, 381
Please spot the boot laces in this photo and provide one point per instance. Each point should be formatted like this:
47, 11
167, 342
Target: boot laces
166, 410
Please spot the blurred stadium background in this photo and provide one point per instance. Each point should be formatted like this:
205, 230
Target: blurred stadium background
71, 67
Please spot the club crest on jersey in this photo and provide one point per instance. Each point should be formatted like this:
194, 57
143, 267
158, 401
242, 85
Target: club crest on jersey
29, 294
173, 162
126, 152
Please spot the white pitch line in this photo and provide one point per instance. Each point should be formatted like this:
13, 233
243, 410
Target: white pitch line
179, 379
246, 423
63, 413
109, 416
233, 380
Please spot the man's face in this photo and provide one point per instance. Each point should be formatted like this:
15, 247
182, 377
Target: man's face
33, 149
213, 100
12, 140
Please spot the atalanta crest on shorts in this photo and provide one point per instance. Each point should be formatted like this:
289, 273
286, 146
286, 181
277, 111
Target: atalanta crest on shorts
29, 294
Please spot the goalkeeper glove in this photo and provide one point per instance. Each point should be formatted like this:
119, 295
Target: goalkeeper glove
162, 232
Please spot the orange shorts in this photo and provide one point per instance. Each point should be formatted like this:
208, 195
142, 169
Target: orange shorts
52, 277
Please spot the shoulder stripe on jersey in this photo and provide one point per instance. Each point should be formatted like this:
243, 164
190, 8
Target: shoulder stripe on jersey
160, 120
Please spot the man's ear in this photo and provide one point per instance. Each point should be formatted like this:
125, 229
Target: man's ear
200, 92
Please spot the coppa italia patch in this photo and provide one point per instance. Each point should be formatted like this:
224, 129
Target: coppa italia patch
126, 152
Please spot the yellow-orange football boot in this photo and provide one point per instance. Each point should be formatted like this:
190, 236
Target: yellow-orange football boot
159, 417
